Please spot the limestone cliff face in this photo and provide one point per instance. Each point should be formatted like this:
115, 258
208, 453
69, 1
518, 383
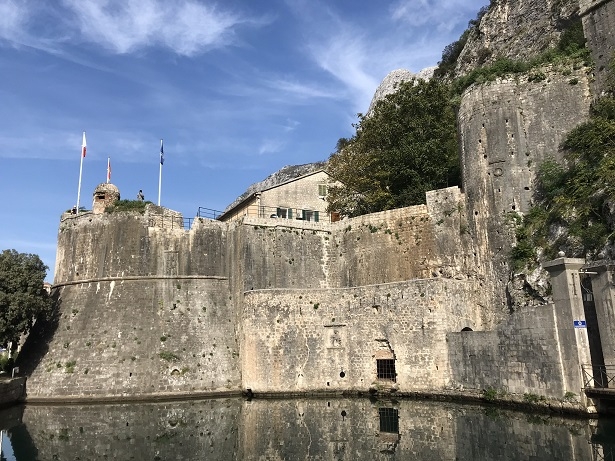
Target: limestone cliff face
394, 79
515, 29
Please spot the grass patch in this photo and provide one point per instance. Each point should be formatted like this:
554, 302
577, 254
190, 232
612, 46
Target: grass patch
127, 205
168, 356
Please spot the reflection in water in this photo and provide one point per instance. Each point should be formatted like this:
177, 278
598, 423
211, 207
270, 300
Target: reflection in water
334, 429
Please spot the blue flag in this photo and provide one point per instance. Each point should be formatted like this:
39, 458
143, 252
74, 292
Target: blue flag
161, 153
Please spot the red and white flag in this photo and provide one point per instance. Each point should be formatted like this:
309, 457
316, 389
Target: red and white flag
108, 169
83, 146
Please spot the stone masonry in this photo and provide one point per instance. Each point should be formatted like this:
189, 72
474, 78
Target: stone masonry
405, 300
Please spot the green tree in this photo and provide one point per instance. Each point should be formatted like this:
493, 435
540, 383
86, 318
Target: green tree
23, 298
405, 147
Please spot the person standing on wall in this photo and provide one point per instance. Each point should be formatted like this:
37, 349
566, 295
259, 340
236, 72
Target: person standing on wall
140, 196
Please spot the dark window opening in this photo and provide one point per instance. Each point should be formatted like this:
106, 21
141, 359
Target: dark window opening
467, 329
389, 420
385, 369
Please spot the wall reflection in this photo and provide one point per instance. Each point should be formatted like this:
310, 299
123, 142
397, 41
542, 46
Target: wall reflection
328, 429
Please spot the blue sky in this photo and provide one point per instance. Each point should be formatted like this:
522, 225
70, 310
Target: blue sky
237, 90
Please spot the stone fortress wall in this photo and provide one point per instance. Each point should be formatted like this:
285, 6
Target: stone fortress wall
146, 308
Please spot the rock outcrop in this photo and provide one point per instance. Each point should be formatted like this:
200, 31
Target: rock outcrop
515, 30
393, 79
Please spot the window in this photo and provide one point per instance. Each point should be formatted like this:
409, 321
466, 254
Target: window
308, 215
389, 420
385, 369
322, 190
284, 213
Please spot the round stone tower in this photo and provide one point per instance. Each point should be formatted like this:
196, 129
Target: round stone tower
105, 194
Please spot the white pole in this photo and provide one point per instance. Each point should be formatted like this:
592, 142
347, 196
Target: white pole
1, 441
160, 174
108, 169
83, 146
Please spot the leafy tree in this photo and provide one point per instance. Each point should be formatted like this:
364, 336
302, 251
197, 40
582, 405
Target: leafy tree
22, 296
405, 147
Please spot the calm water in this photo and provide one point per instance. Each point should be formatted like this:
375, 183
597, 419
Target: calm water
334, 429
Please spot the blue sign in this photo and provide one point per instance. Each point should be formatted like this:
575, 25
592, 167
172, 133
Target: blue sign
580, 324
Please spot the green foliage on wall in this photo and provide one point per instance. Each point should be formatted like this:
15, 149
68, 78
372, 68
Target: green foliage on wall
575, 206
405, 147
127, 205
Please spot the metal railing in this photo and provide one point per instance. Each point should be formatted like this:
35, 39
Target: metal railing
208, 213
170, 221
598, 376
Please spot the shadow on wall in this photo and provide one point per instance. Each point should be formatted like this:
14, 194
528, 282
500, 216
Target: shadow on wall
37, 344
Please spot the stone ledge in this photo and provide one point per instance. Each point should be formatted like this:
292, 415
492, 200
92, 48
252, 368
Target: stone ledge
129, 398
133, 278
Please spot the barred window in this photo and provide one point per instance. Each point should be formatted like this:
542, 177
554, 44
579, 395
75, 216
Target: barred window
385, 369
389, 420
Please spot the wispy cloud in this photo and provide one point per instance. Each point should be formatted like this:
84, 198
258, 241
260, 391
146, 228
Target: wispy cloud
442, 15
359, 55
13, 16
269, 146
291, 125
187, 27
345, 56
302, 90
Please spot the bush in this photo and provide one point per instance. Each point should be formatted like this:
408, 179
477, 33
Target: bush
533, 398
490, 393
127, 205
6, 363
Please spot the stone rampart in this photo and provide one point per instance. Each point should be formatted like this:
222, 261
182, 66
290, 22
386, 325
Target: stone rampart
599, 27
146, 307
142, 309
124, 244
328, 340
521, 355
142, 336
508, 128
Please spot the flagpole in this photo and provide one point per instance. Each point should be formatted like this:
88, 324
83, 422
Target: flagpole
160, 174
108, 169
80, 171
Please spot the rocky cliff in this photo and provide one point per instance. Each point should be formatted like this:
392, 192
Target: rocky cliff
517, 30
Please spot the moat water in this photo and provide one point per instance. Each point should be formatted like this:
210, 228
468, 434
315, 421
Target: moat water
301, 429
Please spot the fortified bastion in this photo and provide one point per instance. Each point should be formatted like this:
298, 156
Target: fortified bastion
417, 299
